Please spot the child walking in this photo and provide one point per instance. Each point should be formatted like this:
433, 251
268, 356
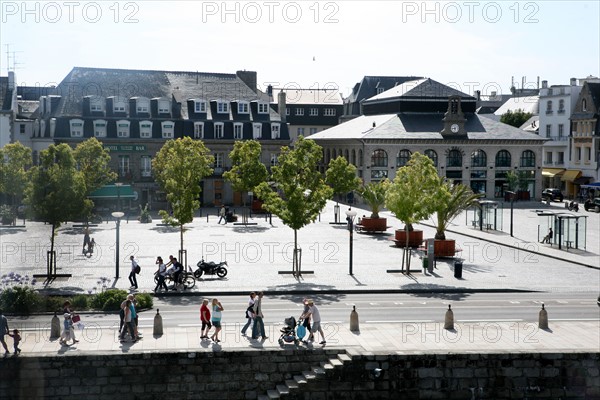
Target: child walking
17, 339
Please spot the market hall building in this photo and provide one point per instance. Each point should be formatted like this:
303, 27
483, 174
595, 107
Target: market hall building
425, 116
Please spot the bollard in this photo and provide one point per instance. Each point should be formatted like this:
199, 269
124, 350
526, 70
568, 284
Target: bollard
449, 320
543, 320
158, 325
55, 327
354, 320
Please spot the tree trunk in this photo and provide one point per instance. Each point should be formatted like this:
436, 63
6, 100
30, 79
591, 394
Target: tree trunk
51, 267
181, 238
295, 266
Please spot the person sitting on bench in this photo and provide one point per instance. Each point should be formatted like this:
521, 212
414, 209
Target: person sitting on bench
548, 237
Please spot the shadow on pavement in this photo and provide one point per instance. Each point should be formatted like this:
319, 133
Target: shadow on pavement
449, 292
250, 229
306, 290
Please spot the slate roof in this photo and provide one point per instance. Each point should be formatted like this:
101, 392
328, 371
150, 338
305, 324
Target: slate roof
594, 89
529, 104
369, 84
180, 85
420, 126
419, 88
5, 95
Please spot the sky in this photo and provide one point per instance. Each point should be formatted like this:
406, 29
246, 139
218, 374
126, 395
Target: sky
471, 45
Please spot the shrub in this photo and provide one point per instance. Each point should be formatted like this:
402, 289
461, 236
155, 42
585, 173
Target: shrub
144, 301
81, 302
21, 300
53, 304
109, 300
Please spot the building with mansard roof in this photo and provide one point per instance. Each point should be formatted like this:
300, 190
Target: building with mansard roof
434, 119
133, 112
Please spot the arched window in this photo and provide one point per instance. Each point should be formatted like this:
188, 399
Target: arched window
549, 106
347, 155
353, 162
333, 156
360, 158
403, 157
583, 105
561, 106
528, 159
433, 156
328, 157
502, 159
454, 158
379, 158
478, 159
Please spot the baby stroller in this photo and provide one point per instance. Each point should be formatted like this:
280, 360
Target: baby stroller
288, 332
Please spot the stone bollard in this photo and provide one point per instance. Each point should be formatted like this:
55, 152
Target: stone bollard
54, 327
449, 319
543, 320
158, 325
354, 320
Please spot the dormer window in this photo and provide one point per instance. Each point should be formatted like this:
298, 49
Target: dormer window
329, 112
314, 112
275, 134
299, 111
145, 129
583, 105
164, 107
119, 105
168, 129
263, 108
96, 104
123, 129
243, 108
222, 107
238, 129
76, 126
199, 106
380, 90
100, 128
198, 130
142, 105
256, 131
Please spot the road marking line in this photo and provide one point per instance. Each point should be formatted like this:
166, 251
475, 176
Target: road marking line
515, 302
491, 320
400, 322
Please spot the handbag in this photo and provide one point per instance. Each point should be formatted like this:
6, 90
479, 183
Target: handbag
301, 331
76, 318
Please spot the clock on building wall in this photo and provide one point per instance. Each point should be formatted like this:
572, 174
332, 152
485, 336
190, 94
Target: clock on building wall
454, 128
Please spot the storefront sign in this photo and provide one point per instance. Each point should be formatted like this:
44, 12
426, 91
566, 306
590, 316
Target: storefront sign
125, 147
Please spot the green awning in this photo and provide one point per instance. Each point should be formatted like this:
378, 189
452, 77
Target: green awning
113, 192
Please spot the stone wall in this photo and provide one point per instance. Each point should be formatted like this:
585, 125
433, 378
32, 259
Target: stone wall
252, 374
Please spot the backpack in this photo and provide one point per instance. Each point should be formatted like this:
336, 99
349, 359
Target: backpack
249, 311
138, 269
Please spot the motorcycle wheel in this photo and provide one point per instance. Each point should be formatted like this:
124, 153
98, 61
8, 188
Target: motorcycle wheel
221, 272
189, 282
198, 273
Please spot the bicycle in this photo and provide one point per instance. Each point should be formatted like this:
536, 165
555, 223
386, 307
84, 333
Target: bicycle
186, 279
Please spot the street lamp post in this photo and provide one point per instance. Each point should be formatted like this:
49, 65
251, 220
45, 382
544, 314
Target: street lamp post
350, 215
117, 215
512, 199
118, 185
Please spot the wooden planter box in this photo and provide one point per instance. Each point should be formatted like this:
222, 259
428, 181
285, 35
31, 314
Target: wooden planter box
444, 248
373, 224
415, 238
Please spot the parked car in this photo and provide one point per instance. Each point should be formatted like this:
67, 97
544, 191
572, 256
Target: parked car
592, 205
552, 195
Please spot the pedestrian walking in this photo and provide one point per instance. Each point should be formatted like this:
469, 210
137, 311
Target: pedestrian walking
129, 322
259, 325
3, 332
135, 269
86, 241
161, 274
91, 245
68, 330
223, 215
67, 309
306, 321
205, 318
249, 313
313, 312
217, 310
16, 340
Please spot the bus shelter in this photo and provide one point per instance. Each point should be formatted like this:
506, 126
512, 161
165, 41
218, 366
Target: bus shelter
488, 216
569, 230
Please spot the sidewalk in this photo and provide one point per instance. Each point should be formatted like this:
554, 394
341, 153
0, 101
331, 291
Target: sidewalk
256, 254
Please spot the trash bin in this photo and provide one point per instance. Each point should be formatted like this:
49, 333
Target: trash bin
458, 269
425, 263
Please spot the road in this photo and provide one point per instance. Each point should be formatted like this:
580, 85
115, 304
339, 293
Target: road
375, 308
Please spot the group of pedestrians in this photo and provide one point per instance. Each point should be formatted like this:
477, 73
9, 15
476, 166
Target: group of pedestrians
68, 332
129, 319
4, 330
211, 317
173, 268
88, 244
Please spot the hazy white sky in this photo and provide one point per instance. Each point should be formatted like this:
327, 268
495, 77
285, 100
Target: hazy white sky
470, 44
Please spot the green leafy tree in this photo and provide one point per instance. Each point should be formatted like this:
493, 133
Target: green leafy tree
247, 171
341, 176
15, 160
57, 192
92, 160
512, 180
516, 118
179, 167
374, 195
412, 193
452, 200
302, 192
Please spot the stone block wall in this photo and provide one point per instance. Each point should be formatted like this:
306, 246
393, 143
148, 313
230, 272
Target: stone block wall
251, 374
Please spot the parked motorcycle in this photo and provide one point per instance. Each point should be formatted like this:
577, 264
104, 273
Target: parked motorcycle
211, 268
572, 206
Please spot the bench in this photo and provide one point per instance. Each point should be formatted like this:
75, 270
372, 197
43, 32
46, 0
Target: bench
569, 244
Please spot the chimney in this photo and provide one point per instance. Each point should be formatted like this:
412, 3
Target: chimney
478, 95
544, 84
493, 94
11, 80
573, 81
281, 106
249, 78
270, 91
